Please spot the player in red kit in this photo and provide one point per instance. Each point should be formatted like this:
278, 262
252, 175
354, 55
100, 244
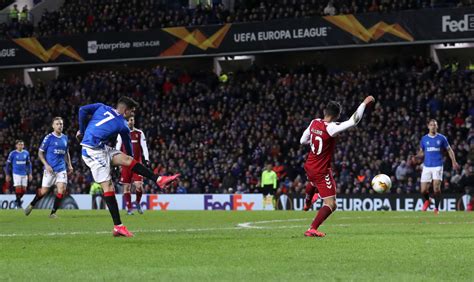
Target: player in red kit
321, 135
127, 177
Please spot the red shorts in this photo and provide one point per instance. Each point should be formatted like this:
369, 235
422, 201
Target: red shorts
324, 182
127, 176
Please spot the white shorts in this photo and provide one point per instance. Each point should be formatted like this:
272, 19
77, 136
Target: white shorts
99, 161
432, 173
50, 179
20, 180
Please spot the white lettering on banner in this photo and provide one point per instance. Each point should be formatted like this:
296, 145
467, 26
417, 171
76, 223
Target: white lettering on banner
397, 207
408, 204
466, 24
419, 204
140, 44
377, 204
244, 37
274, 35
367, 204
269, 35
93, 47
357, 205
5, 53
310, 32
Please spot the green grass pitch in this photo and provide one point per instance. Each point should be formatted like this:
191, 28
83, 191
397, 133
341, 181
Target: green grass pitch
237, 246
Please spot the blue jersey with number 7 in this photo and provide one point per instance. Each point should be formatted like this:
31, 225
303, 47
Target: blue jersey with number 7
104, 124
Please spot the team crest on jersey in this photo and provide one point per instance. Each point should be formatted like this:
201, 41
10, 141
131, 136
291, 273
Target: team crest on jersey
438, 142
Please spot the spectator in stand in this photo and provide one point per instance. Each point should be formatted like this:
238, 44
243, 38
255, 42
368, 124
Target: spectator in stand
402, 172
329, 10
467, 180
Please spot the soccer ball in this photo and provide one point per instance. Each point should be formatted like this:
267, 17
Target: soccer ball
381, 183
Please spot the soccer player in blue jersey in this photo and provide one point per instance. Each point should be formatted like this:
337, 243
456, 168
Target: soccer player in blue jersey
431, 147
54, 154
20, 163
106, 123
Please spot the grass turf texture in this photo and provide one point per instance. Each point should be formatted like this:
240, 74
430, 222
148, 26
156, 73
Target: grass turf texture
196, 246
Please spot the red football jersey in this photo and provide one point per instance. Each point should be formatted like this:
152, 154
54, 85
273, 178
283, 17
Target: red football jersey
321, 148
136, 136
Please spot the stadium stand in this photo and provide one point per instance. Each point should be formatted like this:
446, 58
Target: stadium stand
92, 16
227, 132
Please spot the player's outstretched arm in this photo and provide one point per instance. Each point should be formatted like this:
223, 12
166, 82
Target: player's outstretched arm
146, 154
118, 144
304, 140
334, 128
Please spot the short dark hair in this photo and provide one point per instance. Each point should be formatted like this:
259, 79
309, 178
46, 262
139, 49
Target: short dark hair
57, 118
18, 141
128, 102
333, 109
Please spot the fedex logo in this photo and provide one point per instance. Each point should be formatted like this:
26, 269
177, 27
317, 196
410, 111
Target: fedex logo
465, 24
235, 203
151, 203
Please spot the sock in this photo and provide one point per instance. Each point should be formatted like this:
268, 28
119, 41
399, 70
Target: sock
309, 192
437, 198
57, 202
426, 196
128, 200
139, 194
323, 213
36, 199
19, 194
142, 170
111, 202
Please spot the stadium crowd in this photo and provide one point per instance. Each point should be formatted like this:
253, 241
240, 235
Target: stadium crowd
220, 136
92, 16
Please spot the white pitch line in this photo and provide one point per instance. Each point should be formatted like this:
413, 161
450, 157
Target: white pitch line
240, 226
108, 232
253, 225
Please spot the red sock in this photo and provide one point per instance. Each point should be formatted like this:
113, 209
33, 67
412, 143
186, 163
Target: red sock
323, 213
139, 196
132, 164
309, 191
19, 192
128, 200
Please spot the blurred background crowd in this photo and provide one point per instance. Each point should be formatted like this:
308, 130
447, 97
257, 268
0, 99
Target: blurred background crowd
221, 135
